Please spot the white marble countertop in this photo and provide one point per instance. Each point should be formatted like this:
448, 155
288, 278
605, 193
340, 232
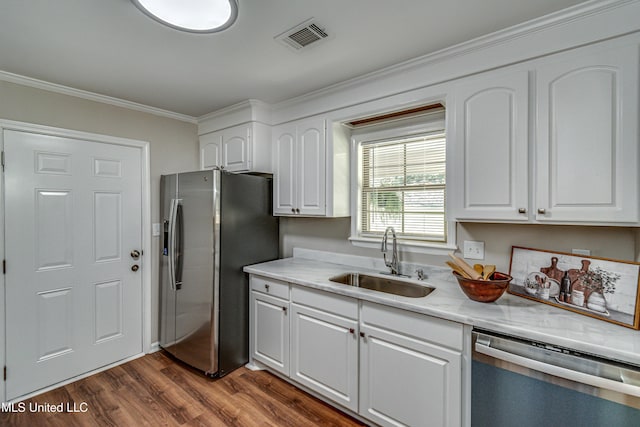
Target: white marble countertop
510, 315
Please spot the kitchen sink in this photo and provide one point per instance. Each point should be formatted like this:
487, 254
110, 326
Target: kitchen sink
383, 284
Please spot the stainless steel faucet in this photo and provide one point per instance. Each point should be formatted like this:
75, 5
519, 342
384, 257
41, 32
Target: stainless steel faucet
394, 265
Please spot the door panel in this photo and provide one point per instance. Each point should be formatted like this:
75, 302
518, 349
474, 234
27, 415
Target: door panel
408, 382
194, 297
311, 191
324, 354
284, 165
73, 213
587, 138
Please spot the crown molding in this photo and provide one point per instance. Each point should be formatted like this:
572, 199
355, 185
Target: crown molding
559, 18
249, 105
91, 96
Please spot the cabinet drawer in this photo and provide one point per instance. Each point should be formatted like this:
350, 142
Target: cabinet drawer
427, 328
328, 302
271, 287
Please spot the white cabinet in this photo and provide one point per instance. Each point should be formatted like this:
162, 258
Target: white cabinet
324, 345
410, 368
393, 367
580, 164
587, 137
311, 169
488, 173
242, 148
269, 323
299, 166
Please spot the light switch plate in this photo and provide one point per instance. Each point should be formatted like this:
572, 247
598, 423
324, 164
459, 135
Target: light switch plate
473, 249
156, 229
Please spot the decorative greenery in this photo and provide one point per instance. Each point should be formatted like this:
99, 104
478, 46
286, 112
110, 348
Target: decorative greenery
599, 280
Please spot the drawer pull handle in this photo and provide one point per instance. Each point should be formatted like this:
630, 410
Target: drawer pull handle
541, 211
522, 211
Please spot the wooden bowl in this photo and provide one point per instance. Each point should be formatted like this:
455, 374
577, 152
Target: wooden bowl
484, 290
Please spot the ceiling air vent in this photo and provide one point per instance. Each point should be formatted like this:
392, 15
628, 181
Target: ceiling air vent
303, 35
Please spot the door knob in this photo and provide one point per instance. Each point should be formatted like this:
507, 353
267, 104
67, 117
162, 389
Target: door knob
135, 254
135, 267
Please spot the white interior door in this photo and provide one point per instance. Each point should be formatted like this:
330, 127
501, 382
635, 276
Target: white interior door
73, 216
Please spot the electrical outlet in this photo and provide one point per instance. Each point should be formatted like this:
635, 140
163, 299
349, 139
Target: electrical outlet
473, 250
155, 229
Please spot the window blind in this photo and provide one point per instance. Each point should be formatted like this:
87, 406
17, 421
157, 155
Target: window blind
403, 186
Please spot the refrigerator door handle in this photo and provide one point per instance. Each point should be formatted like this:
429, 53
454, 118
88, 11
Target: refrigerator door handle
179, 232
172, 242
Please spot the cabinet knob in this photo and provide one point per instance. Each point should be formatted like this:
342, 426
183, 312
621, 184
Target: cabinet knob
297, 210
293, 210
352, 331
284, 309
362, 334
266, 287
522, 211
542, 211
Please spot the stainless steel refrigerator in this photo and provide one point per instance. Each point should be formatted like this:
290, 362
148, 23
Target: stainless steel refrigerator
214, 224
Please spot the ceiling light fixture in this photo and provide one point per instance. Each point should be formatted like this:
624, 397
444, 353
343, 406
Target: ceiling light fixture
195, 16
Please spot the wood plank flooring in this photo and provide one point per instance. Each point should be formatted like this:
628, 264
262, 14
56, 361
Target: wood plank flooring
155, 390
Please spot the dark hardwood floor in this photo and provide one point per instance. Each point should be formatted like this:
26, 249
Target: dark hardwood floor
155, 390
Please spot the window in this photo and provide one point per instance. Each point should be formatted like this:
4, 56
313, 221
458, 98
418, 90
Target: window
401, 182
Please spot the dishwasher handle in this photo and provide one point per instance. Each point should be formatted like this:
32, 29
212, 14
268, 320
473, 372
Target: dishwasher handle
557, 371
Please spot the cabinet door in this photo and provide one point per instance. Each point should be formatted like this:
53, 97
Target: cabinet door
324, 354
210, 148
236, 148
284, 168
490, 143
587, 137
312, 176
269, 331
408, 382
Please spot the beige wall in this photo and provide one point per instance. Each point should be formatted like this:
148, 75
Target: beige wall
173, 143
609, 242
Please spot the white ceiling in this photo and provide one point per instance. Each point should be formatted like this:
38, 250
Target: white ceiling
109, 47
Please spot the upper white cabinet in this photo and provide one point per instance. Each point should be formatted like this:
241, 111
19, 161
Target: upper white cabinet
488, 177
587, 137
567, 154
304, 161
241, 148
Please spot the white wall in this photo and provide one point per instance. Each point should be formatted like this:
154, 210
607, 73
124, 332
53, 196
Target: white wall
173, 143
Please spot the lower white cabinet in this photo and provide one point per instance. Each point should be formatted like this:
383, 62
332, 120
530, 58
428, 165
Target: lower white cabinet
269, 330
406, 379
392, 367
324, 354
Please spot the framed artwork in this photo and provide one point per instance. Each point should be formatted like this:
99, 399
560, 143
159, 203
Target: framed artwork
597, 287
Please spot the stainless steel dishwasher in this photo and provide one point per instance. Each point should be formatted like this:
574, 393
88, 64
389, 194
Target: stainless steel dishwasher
523, 383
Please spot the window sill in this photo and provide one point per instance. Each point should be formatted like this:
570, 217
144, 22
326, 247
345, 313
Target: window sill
406, 245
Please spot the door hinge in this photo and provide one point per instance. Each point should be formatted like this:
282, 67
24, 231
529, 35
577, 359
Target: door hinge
4, 266
5, 373
2, 160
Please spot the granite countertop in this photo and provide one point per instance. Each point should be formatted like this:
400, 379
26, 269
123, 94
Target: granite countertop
510, 315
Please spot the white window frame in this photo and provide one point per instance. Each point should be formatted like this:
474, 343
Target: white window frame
423, 124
